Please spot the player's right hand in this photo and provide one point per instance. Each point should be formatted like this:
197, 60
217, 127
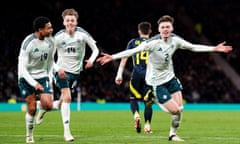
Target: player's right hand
118, 81
62, 74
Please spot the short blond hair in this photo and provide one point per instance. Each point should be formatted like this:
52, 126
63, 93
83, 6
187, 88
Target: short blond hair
70, 11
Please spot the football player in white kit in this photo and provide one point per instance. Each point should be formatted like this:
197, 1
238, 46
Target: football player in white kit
71, 46
35, 62
160, 71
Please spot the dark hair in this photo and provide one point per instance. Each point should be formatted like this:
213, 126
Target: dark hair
40, 22
166, 18
144, 27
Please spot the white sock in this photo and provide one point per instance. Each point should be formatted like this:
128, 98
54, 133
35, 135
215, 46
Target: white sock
29, 124
39, 105
176, 120
41, 112
65, 111
147, 126
56, 105
172, 131
136, 115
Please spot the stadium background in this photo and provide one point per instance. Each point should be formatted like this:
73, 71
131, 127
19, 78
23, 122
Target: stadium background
112, 23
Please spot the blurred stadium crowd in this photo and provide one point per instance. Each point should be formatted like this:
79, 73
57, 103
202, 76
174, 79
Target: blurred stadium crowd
113, 24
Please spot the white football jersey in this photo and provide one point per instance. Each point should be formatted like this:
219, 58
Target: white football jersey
71, 49
160, 65
36, 58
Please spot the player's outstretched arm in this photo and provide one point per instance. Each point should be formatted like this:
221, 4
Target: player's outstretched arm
119, 78
223, 48
105, 58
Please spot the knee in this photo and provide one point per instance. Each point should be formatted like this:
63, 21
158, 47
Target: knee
31, 104
176, 111
148, 104
67, 98
32, 110
49, 106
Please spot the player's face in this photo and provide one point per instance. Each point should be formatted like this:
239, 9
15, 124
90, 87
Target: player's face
70, 23
165, 29
47, 30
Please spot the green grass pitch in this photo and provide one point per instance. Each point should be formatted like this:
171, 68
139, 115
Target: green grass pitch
117, 127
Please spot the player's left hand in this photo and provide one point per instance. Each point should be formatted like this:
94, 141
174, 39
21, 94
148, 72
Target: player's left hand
223, 48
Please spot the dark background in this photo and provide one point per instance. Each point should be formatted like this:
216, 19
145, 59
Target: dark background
113, 23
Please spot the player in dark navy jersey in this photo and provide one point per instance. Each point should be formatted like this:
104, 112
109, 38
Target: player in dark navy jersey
138, 88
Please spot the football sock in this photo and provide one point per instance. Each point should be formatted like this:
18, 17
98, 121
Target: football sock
147, 125
39, 105
134, 106
176, 120
148, 114
147, 122
56, 105
29, 124
65, 111
136, 114
42, 112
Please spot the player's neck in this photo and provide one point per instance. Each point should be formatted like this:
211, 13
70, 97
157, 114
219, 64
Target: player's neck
144, 36
70, 32
39, 36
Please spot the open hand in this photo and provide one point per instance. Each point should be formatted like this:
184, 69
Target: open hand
105, 58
